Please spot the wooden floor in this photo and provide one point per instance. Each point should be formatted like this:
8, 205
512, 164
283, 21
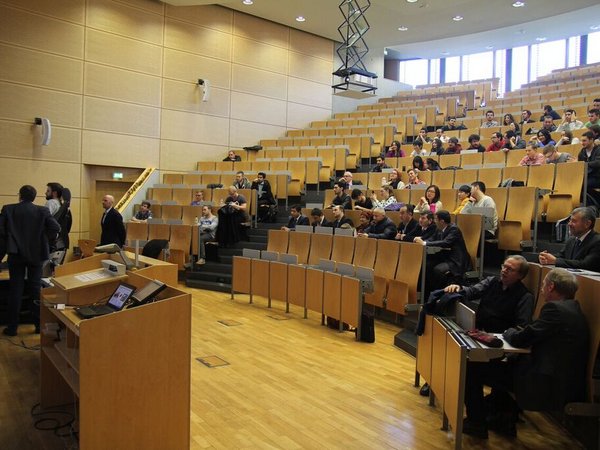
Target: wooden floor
284, 382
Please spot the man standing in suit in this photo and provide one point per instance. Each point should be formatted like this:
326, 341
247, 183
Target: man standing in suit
113, 230
582, 249
381, 227
296, 218
25, 232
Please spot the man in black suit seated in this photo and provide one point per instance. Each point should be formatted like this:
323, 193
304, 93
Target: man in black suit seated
381, 227
426, 229
296, 218
339, 218
318, 218
407, 221
582, 249
341, 198
264, 195
553, 374
113, 229
25, 233
450, 263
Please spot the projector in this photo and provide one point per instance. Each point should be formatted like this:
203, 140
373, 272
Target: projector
113, 268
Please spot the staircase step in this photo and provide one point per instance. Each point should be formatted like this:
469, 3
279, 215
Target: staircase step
407, 341
208, 285
211, 266
210, 276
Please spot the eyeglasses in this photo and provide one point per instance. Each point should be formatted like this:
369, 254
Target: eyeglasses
507, 268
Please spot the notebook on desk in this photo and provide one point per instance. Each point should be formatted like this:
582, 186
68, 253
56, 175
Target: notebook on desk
117, 302
465, 316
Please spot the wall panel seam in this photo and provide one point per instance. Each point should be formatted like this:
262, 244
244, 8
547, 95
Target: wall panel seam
40, 14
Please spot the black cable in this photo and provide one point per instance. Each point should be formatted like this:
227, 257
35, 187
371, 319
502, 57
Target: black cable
22, 344
54, 423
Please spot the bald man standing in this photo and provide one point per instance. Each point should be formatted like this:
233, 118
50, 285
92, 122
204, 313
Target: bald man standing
113, 230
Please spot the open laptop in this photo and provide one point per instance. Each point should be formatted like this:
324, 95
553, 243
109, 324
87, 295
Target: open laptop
117, 301
147, 293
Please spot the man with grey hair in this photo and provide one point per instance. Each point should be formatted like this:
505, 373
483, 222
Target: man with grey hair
113, 230
381, 227
582, 249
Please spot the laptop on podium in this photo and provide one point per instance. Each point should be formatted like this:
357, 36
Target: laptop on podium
117, 302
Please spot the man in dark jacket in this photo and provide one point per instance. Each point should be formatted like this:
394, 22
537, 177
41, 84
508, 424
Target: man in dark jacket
113, 230
296, 218
25, 232
381, 227
264, 195
425, 230
339, 218
590, 153
407, 222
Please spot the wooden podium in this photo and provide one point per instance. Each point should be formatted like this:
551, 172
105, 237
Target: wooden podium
128, 372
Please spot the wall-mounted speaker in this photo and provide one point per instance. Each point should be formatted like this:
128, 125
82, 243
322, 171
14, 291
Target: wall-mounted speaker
46, 129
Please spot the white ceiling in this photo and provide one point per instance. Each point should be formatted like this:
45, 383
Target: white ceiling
431, 29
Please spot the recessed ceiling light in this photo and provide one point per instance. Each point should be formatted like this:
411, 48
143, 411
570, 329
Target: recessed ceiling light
247, 2
300, 19
457, 18
489, 47
540, 39
445, 53
518, 4
402, 28
595, 27
412, 1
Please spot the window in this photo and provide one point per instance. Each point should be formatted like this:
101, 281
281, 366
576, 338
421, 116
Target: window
434, 71
520, 67
414, 72
547, 57
593, 48
452, 69
573, 50
500, 70
478, 66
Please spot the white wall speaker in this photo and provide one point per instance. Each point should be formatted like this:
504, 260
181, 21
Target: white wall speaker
46, 129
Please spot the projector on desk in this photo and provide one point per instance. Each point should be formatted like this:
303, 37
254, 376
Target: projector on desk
113, 268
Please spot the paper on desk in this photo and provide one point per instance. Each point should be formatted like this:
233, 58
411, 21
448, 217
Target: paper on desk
91, 276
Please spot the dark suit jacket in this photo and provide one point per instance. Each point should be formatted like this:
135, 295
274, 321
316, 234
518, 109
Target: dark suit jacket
339, 223
424, 234
267, 193
593, 161
237, 158
457, 258
587, 256
555, 371
325, 223
113, 230
344, 201
385, 229
26, 230
301, 220
409, 227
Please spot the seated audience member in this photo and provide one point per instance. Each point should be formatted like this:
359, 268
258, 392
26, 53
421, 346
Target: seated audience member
509, 121
437, 147
207, 224
525, 119
381, 226
361, 202
413, 179
464, 193
430, 201
582, 249
440, 134
387, 197
231, 156
144, 213
590, 153
264, 196
454, 148
418, 163
489, 121
513, 141
532, 157
407, 224
426, 229
364, 221
570, 121
198, 198
418, 149
543, 138
593, 117
348, 178
394, 150
422, 137
596, 104
553, 156
296, 218
241, 182
339, 218
394, 180
340, 197
318, 218
452, 125
452, 262
548, 378
480, 200
431, 164
566, 138
475, 143
231, 216
595, 129
548, 125
548, 111
380, 164
497, 143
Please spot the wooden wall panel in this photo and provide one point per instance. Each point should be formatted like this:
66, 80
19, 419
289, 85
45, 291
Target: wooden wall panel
124, 85
41, 33
151, 6
208, 16
69, 10
187, 67
309, 68
312, 45
119, 149
243, 134
300, 116
76, 213
197, 40
135, 55
188, 97
84, 216
262, 56
245, 106
112, 17
180, 156
14, 173
24, 103
257, 81
23, 140
252, 27
309, 93
117, 117
190, 127
40, 69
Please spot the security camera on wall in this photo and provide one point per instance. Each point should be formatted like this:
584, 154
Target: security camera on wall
46, 129
205, 85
